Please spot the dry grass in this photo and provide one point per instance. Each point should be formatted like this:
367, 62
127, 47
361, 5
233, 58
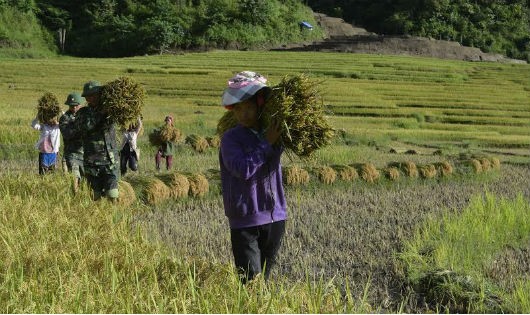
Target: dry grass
391, 173
151, 190
428, 171
295, 175
179, 185
198, 143
326, 174
127, 194
346, 172
444, 168
199, 185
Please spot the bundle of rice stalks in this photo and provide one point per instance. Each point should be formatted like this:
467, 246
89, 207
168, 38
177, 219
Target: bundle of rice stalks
198, 143
151, 190
178, 184
296, 104
368, 172
48, 109
495, 163
486, 164
428, 171
295, 175
476, 166
444, 168
122, 101
214, 141
127, 194
346, 172
391, 173
166, 133
408, 168
326, 174
199, 185
227, 122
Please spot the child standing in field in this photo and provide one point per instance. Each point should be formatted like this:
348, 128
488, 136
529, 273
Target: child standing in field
166, 149
130, 153
48, 144
253, 194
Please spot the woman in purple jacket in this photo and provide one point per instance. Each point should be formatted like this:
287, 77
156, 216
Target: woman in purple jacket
251, 177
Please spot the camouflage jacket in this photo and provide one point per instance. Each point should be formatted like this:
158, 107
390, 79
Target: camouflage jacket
99, 138
73, 146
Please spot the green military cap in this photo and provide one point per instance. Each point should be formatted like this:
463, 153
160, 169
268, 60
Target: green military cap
74, 99
91, 87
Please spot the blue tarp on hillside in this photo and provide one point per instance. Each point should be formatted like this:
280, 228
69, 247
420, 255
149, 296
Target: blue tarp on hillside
304, 24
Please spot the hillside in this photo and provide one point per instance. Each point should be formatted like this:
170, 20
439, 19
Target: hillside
344, 37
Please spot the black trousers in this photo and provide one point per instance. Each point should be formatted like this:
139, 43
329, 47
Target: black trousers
128, 157
255, 248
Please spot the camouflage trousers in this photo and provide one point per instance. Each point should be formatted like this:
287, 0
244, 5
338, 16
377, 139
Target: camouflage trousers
75, 166
103, 179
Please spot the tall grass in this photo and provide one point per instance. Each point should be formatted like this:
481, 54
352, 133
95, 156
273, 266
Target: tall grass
63, 253
467, 243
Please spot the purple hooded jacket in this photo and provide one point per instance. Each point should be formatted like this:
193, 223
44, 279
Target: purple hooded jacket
251, 179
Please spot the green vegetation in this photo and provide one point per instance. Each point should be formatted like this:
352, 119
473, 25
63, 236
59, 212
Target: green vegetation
450, 259
493, 26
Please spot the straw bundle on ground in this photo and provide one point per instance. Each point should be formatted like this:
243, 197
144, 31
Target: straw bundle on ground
122, 101
198, 143
486, 164
151, 190
48, 109
214, 141
199, 185
127, 195
444, 168
495, 163
368, 172
326, 174
391, 173
428, 171
177, 183
476, 166
296, 104
408, 168
166, 133
346, 172
295, 175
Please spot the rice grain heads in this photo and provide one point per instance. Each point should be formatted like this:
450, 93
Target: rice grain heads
151, 190
444, 168
178, 184
198, 143
346, 172
199, 185
295, 175
127, 195
295, 102
326, 174
48, 109
391, 173
368, 172
408, 168
428, 171
122, 101
166, 133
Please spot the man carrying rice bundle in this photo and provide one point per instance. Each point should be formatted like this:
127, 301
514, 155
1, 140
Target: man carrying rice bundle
73, 145
251, 177
99, 145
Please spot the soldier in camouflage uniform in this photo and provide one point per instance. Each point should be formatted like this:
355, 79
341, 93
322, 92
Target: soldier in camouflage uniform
100, 156
73, 145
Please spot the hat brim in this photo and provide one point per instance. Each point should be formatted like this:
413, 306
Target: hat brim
233, 96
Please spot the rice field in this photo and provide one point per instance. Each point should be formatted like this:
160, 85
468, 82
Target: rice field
358, 225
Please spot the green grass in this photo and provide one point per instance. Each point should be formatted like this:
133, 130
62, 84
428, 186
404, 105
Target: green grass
467, 243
